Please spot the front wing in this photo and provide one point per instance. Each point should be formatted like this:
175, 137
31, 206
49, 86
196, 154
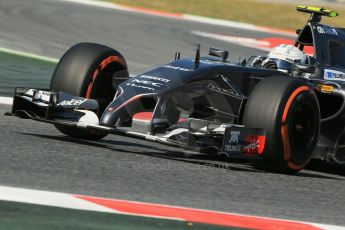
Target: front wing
193, 135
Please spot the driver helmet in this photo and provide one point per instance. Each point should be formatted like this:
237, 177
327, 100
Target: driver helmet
285, 55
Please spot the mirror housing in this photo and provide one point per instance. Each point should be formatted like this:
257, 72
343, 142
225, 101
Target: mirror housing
223, 54
302, 68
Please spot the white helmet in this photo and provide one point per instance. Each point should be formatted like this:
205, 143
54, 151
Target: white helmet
285, 55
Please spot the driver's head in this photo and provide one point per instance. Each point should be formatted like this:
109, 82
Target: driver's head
284, 56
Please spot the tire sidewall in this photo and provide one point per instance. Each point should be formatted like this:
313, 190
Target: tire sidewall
294, 160
300, 158
74, 73
266, 107
82, 69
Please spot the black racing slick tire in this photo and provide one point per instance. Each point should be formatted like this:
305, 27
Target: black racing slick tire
288, 109
87, 70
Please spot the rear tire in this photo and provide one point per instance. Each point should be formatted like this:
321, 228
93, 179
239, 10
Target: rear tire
288, 110
87, 70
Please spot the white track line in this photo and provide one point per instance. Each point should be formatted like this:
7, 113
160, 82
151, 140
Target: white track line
101, 4
246, 42
57, 199
28, 55
236, 25
48, 198
219, 22
6, 100
62, 200
187, 17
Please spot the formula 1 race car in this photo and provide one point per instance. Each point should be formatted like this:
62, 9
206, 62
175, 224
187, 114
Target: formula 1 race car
278, 120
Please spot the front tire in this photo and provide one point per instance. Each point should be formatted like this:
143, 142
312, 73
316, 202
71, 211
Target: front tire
287, 108
87, 70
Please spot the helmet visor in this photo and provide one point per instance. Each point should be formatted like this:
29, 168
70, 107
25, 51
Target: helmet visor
282, 64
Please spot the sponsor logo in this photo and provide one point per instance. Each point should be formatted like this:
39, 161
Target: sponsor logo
177, 68
233, 145
29, 92
232, 148
73, 102
146, 82
326, 30
217, 89
154, 78
252, 146
36, 95
234, 137
244, 142
256, 145
334, 75
306, 75
140, 86
41, 95
324, 88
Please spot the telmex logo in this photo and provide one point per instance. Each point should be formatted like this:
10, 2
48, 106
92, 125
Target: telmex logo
334, 75
234, 137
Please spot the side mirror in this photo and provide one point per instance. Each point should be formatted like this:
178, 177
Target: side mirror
219, 53
302, 68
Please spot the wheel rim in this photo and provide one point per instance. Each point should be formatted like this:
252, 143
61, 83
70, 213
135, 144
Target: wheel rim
302, 129
101, 87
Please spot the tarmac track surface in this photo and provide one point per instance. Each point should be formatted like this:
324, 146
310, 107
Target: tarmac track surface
49, 28
35, 155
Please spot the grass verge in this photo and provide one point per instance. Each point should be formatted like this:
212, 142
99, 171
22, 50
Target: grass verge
17, 70
275, 15
36, 217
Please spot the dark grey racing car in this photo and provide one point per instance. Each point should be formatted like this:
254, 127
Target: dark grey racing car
278, 120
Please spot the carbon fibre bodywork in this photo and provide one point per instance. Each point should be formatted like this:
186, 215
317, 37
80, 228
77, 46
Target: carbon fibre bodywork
223, 87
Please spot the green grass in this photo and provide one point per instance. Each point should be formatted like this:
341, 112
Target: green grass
20, 216
22, 71
282, 16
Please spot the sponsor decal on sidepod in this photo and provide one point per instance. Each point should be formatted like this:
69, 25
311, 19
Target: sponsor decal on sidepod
334, 75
